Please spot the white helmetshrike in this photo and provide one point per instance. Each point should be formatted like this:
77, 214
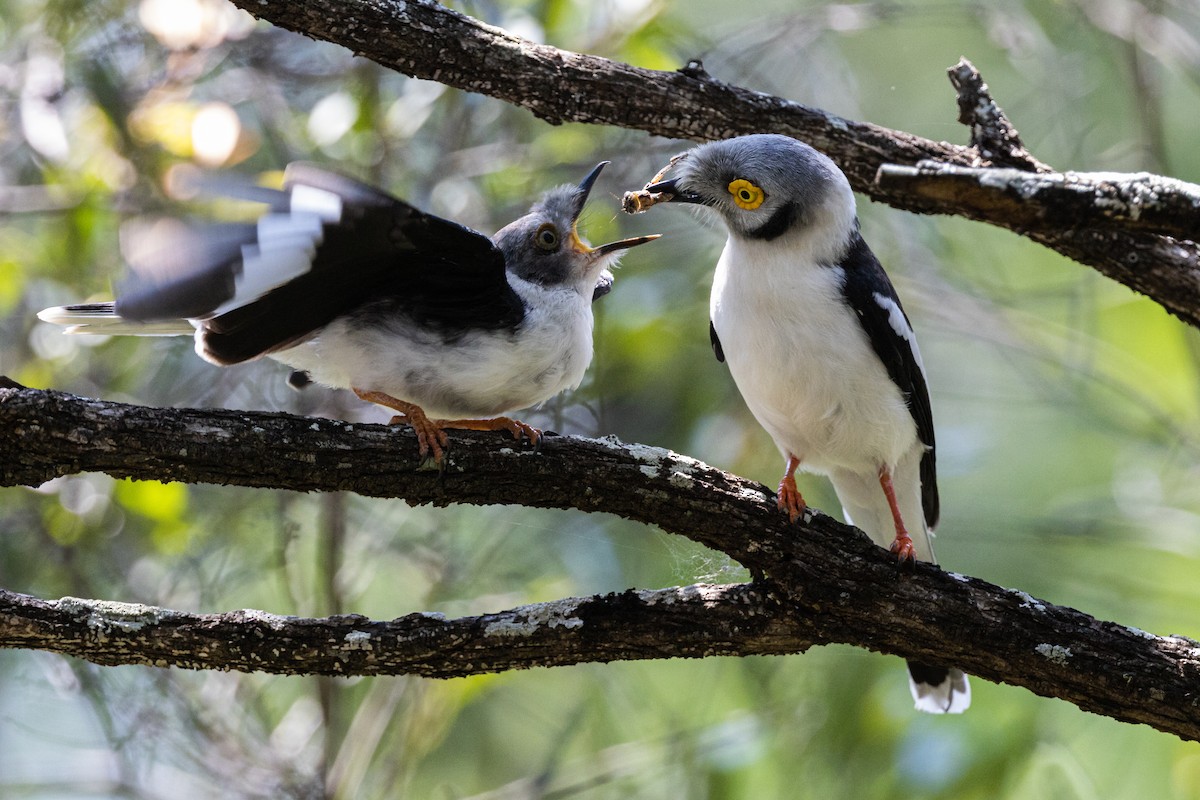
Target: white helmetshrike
818, 344
356, 289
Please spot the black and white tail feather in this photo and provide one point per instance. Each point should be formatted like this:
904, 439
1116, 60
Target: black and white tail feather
102, 319
938, 690
185, 275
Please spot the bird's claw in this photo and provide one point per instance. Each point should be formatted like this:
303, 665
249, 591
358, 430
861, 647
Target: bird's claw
789, 499
902, 547
520, 429
432, 439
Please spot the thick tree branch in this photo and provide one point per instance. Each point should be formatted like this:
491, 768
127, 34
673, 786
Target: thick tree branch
427, 40
1036, 201
823, 582
688, 621
1152, 219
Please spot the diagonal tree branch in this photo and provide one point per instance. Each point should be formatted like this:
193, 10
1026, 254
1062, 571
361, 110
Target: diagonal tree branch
427, 40
822, 581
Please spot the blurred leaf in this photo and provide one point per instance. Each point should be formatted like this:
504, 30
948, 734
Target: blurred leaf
12, 285
166, 505
167, 123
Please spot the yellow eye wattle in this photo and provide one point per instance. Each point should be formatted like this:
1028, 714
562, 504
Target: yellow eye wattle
746, 194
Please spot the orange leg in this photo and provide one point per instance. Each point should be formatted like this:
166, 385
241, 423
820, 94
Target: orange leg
513, 426
902, 546
789, 499
431, 438
431, 433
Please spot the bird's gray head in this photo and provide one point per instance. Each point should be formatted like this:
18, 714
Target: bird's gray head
544, 246
762, 187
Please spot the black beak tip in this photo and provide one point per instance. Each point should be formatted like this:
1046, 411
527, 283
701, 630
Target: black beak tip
585, 186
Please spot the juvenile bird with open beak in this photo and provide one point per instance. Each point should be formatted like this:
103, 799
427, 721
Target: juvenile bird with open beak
356, 289
818, 344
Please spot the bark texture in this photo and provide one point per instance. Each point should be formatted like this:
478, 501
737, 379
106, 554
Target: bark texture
820, 581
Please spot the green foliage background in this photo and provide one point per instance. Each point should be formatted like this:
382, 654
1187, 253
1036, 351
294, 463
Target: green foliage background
1068, 415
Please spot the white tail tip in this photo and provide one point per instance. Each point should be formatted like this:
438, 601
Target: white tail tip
951, 696
101, 319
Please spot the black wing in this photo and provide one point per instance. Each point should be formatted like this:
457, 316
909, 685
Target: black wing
871, 294
368, 252
715, 340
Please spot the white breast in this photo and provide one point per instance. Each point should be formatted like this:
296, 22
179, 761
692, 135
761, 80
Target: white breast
481, 374
803, 363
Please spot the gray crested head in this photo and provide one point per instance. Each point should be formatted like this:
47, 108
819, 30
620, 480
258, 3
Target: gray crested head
762, 187
544, 246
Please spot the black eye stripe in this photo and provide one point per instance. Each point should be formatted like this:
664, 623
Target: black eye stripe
777, 224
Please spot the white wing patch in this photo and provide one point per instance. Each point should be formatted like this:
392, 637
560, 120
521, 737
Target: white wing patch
900, 325
311, 200
276, 231
285, 245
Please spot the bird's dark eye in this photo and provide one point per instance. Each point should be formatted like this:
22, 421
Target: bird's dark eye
546, 237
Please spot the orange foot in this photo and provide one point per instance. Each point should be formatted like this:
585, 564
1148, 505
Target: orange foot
514, 426
431, 436
789, 499
902, 546
431, 433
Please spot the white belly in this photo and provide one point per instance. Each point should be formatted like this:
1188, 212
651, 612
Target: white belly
482, 374
804, 365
